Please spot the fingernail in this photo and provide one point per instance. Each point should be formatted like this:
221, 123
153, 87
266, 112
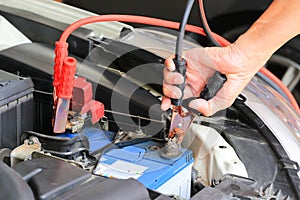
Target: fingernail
178, 80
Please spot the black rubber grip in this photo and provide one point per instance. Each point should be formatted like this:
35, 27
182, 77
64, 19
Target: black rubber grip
180, 68
213, 85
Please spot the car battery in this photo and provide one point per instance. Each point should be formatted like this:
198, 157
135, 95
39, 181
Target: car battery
143, 162
16, 108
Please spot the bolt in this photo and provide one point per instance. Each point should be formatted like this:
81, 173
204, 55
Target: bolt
30, 142
84, 157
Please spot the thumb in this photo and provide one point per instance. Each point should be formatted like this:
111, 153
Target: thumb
207, 108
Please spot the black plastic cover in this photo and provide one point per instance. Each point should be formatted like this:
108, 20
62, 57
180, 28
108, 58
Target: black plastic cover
16, 108
12, 186
52, 178
13, 87
99, 188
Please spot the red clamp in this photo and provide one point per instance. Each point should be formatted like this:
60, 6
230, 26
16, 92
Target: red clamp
64, 93
82, 100
61, 52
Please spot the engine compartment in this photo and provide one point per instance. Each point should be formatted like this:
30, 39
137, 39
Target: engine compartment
235, 155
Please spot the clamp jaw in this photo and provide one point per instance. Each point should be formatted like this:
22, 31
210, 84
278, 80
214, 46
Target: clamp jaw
181, 121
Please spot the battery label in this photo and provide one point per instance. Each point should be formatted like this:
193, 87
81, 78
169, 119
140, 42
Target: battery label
120, 169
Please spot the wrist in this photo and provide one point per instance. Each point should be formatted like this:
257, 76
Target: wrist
253, 54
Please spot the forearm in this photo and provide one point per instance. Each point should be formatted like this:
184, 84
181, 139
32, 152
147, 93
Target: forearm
278, 24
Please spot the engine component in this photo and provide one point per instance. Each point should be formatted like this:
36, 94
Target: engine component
16, 108
234, 187
127, 138
80, 147
62, 145
143, 162
24, 151
214, 157
5, 155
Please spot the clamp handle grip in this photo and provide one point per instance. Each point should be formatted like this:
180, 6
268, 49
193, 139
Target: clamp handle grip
61, 52
180, 68
213, 85
66, 84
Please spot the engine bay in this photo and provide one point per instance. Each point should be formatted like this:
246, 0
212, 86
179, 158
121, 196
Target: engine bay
114, 146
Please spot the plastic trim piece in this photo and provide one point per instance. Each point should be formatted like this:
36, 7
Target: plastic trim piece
285, 128
214, 157
10, 36
288, 167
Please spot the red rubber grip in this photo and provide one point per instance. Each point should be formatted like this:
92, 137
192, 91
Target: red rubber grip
61, 52
66, 83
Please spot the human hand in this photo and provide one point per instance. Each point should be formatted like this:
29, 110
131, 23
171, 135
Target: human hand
238, 66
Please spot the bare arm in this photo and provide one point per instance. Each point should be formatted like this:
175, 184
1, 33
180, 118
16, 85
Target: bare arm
278, 24
239, 61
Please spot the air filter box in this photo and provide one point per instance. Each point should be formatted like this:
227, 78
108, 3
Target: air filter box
16, 108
